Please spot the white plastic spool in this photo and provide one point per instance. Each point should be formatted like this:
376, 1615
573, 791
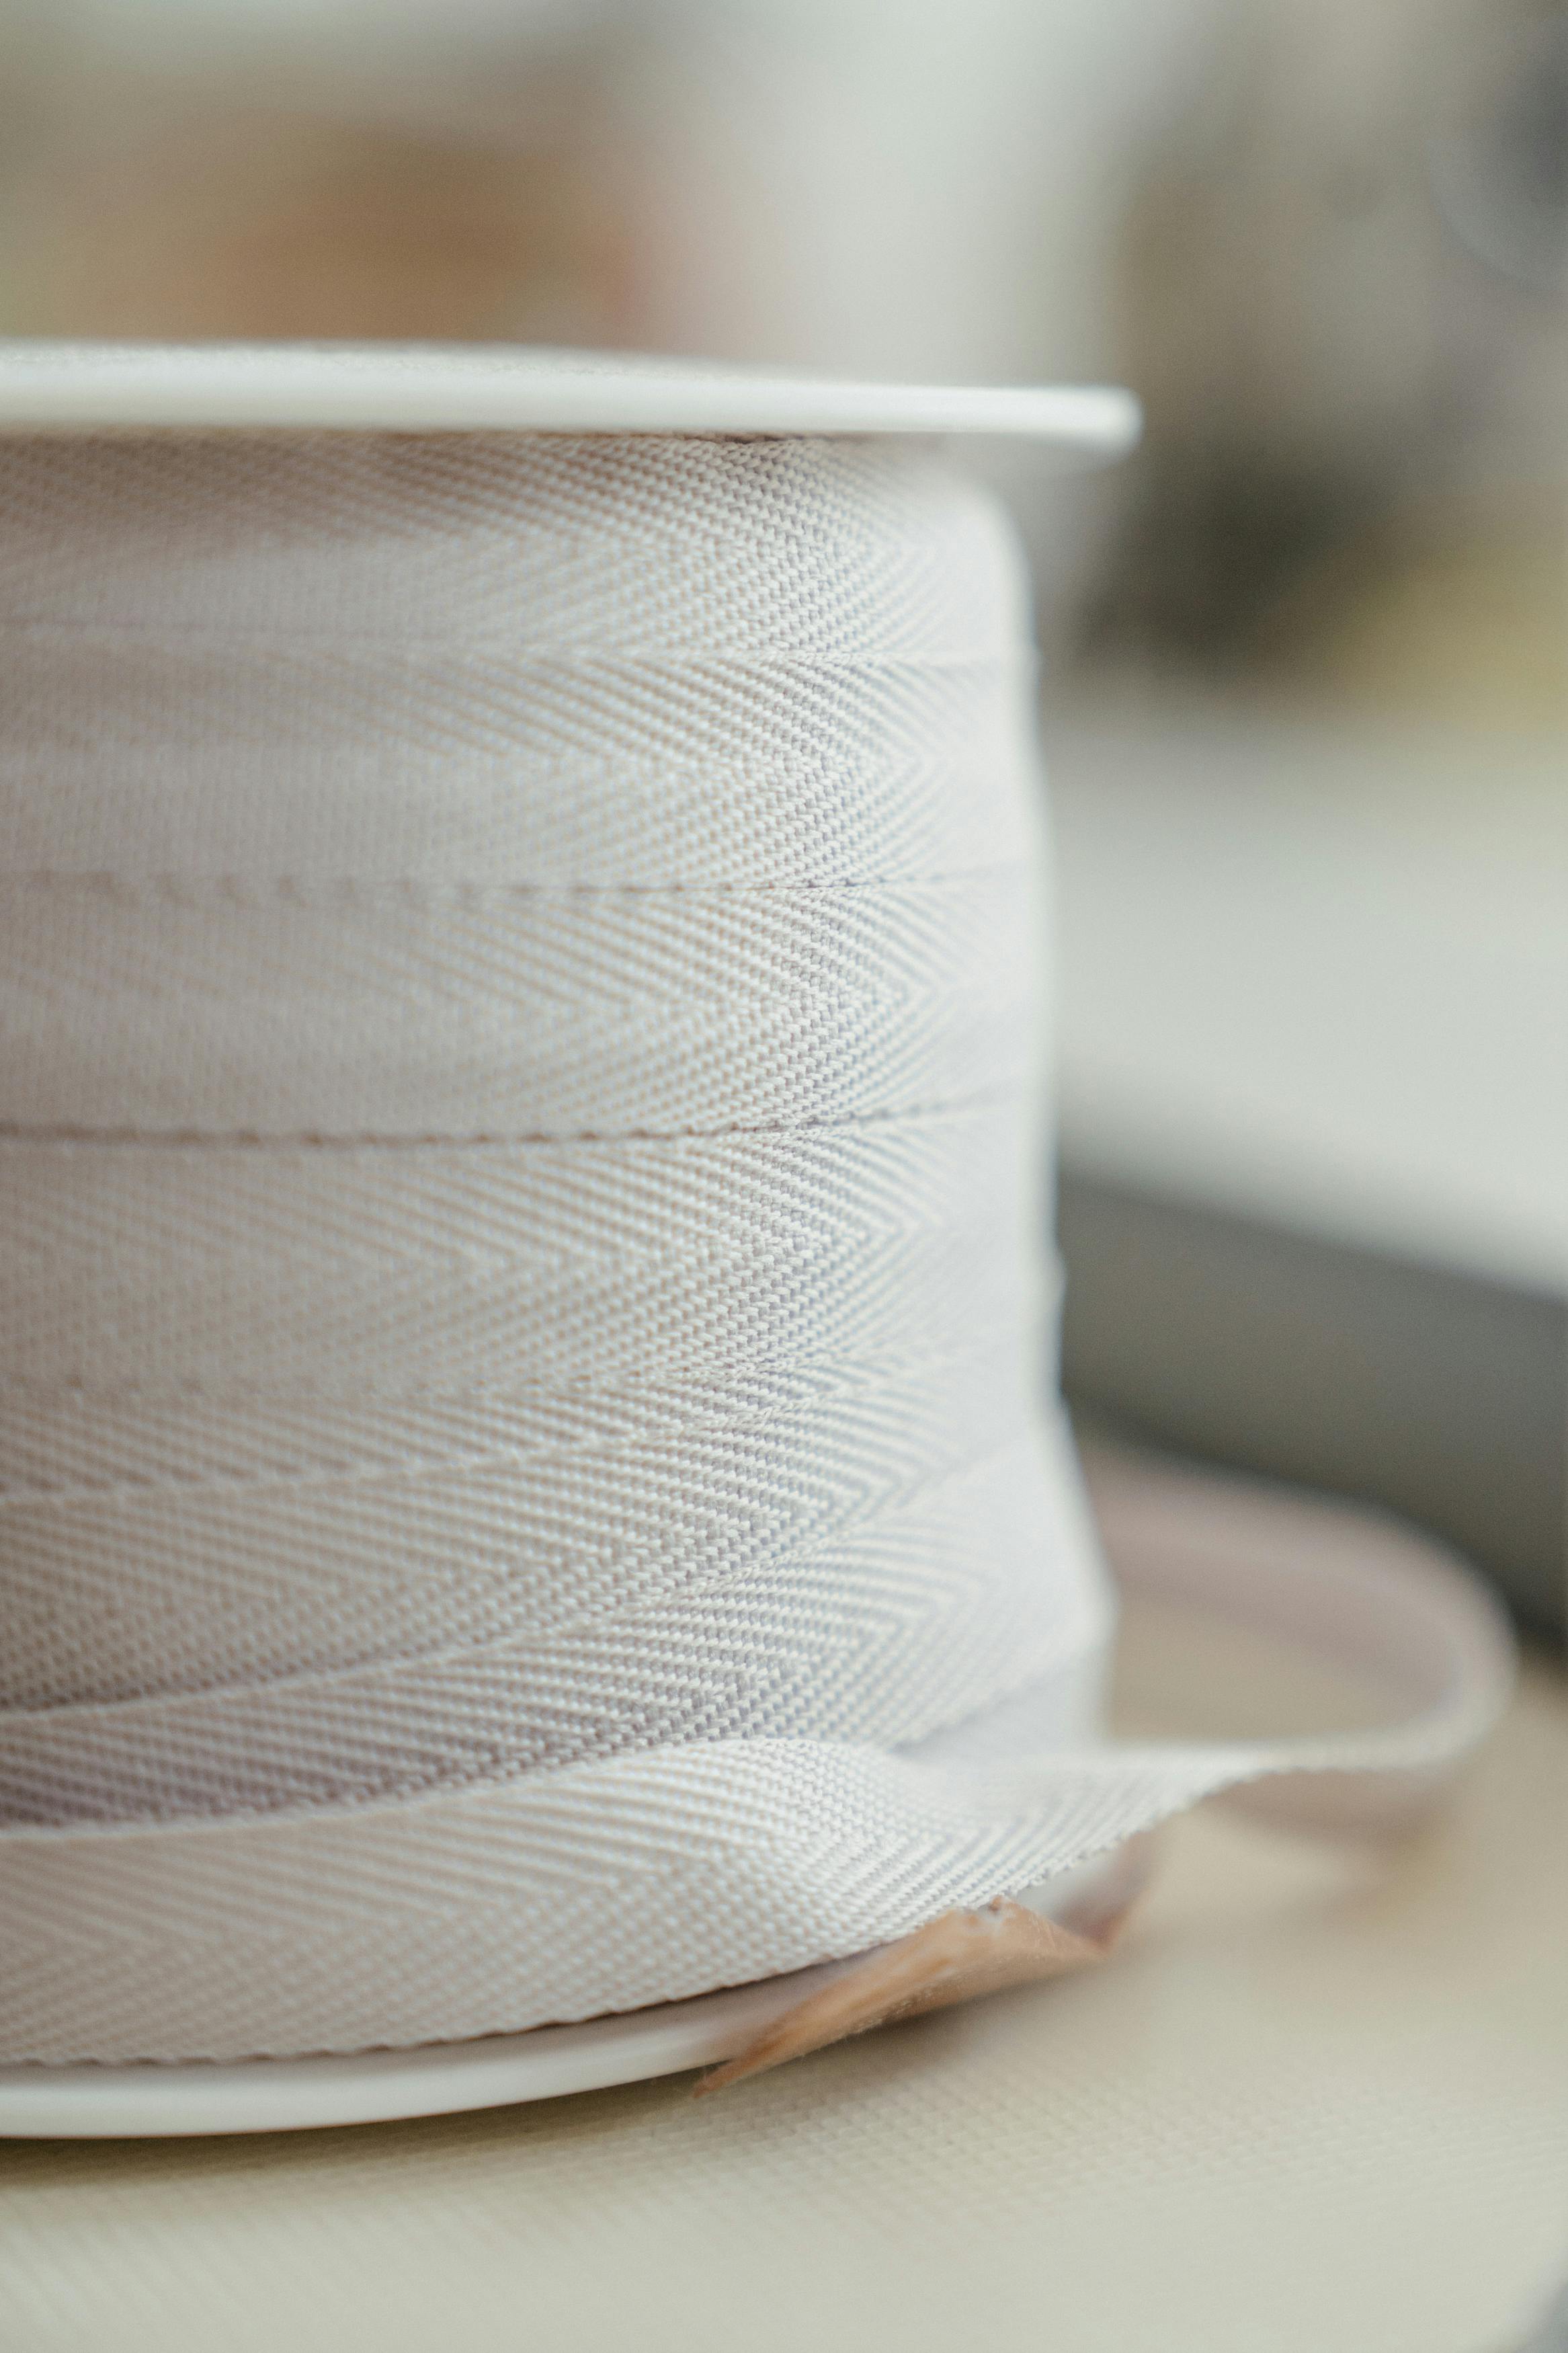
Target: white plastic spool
61, 388
1364, 1596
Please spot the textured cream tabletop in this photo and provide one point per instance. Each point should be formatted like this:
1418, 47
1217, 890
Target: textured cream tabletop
1313, 2105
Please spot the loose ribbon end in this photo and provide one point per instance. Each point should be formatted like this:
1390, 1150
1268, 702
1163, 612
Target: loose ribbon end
952, 1960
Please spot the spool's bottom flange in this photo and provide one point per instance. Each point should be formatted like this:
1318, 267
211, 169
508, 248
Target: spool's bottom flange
154, 2099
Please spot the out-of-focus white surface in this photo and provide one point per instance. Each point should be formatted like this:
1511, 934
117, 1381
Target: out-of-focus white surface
1318, 974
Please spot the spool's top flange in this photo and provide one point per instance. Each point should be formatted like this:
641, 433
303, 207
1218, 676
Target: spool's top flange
60, 387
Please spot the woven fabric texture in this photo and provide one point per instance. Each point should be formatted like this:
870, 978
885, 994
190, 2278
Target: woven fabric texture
526, 1444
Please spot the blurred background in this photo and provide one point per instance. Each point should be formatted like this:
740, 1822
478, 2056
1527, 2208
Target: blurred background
1306, 655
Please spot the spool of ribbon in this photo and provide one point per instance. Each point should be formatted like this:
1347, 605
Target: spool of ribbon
530, 1477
